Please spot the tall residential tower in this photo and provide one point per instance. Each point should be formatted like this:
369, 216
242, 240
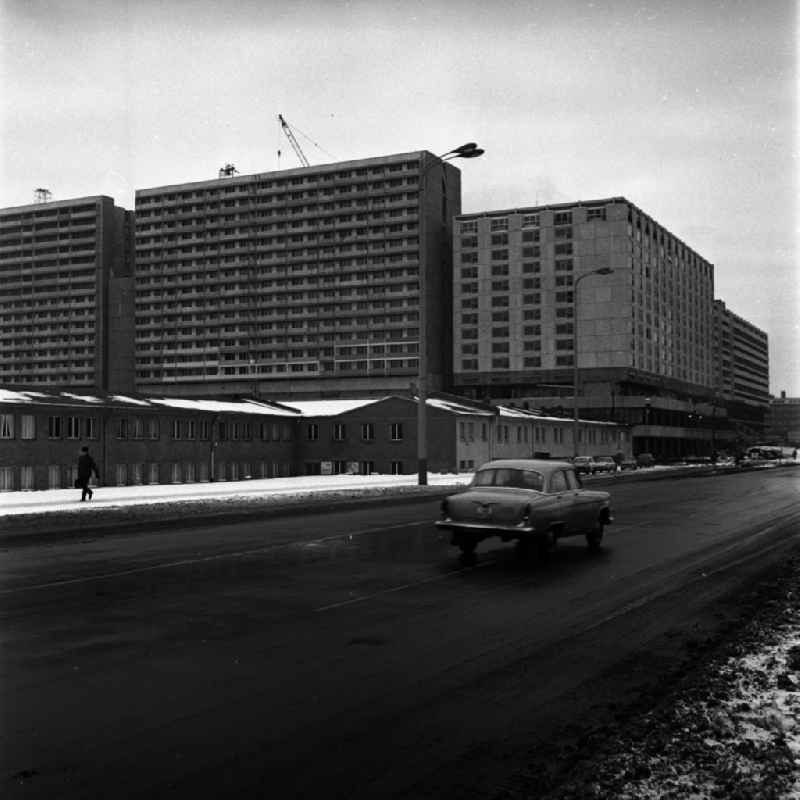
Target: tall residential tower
66, 316
643, 345
306, 282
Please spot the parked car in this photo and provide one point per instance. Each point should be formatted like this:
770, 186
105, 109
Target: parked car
628, 463
583, 465
645, 460
603, 464
530, 501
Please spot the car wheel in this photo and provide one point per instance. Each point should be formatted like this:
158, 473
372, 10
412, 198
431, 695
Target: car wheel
468, 557
522, 549
546, 544
595, 537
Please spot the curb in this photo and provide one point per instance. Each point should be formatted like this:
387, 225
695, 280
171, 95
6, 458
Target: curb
164, 515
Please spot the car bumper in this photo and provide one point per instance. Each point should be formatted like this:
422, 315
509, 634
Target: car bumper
482, 527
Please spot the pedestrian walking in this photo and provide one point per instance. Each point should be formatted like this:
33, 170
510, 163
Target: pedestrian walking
86, 466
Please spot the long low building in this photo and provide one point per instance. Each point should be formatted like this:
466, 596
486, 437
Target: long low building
145, 440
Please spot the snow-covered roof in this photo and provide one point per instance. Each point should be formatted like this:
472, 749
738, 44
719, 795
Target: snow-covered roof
457, 408
537, 416
222, 406
332, 408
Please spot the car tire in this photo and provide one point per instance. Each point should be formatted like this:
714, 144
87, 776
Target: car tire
522, 549
594, 539
468, 557
546, 544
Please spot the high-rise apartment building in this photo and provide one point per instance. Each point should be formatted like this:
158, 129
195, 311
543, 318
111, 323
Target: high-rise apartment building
305, 282
65, 268
741, 371
741, 358
641, 334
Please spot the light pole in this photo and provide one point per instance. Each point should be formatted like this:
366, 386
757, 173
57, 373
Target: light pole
601, 271
469, 150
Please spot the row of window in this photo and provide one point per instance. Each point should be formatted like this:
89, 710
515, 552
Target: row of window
79, 427
62, 476
339, 432
539, 433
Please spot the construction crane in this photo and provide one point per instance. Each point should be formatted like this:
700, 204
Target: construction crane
293, 142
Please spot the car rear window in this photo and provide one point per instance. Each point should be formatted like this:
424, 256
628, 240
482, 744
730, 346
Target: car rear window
514, 478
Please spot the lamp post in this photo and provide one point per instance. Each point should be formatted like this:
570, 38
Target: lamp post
601, 271
469, 150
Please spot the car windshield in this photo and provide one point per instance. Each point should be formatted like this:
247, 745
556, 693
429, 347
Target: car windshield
514, 478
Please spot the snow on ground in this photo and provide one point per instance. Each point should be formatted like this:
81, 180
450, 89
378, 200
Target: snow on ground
59, 500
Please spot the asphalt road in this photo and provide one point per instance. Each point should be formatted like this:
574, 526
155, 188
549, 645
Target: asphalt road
346, 654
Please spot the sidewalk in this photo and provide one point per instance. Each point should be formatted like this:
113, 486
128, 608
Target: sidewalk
68, 500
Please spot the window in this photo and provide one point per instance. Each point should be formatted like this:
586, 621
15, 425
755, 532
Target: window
6, 426
396, 431
312, 432
469, 226
530, 236
500, 239
153, 430
339, 431
54, 427
500, 224
397, 467
176, 429
530, 221
122, 428
7, 479
73, 427
366, 467
191, 429
469, 364
531, 252
205, 430
500, 363
595, 213
28, 426
563, 249
137, 428
367, 432
499, 255
562, 218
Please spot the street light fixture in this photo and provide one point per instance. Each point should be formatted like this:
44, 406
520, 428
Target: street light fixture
468, 150
601, 271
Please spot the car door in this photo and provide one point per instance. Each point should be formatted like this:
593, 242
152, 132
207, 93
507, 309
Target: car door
557, 489
578, 506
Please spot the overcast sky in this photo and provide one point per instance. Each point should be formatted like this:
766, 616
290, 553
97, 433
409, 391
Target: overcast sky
688, 108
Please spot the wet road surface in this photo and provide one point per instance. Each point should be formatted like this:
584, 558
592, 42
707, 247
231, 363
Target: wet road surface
347, 654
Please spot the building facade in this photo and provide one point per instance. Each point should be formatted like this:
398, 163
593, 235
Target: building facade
783, 421
640, 336
66, 278
309, 282
741, 375
148, 440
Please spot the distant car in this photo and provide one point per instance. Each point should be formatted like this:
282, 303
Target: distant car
628, 463
645, 460
603, 464
533, 502
583, 465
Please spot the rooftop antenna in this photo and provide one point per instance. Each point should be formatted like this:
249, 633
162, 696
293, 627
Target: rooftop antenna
42, 195
228, 171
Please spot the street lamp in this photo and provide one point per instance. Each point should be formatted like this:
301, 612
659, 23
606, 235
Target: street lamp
601, 271
468, 150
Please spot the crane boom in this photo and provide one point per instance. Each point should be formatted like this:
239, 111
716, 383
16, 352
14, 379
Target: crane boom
293, 142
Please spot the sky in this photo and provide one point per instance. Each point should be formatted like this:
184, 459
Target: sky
688, 108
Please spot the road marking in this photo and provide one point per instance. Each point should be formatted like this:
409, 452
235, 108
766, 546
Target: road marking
203, 559
363, 598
